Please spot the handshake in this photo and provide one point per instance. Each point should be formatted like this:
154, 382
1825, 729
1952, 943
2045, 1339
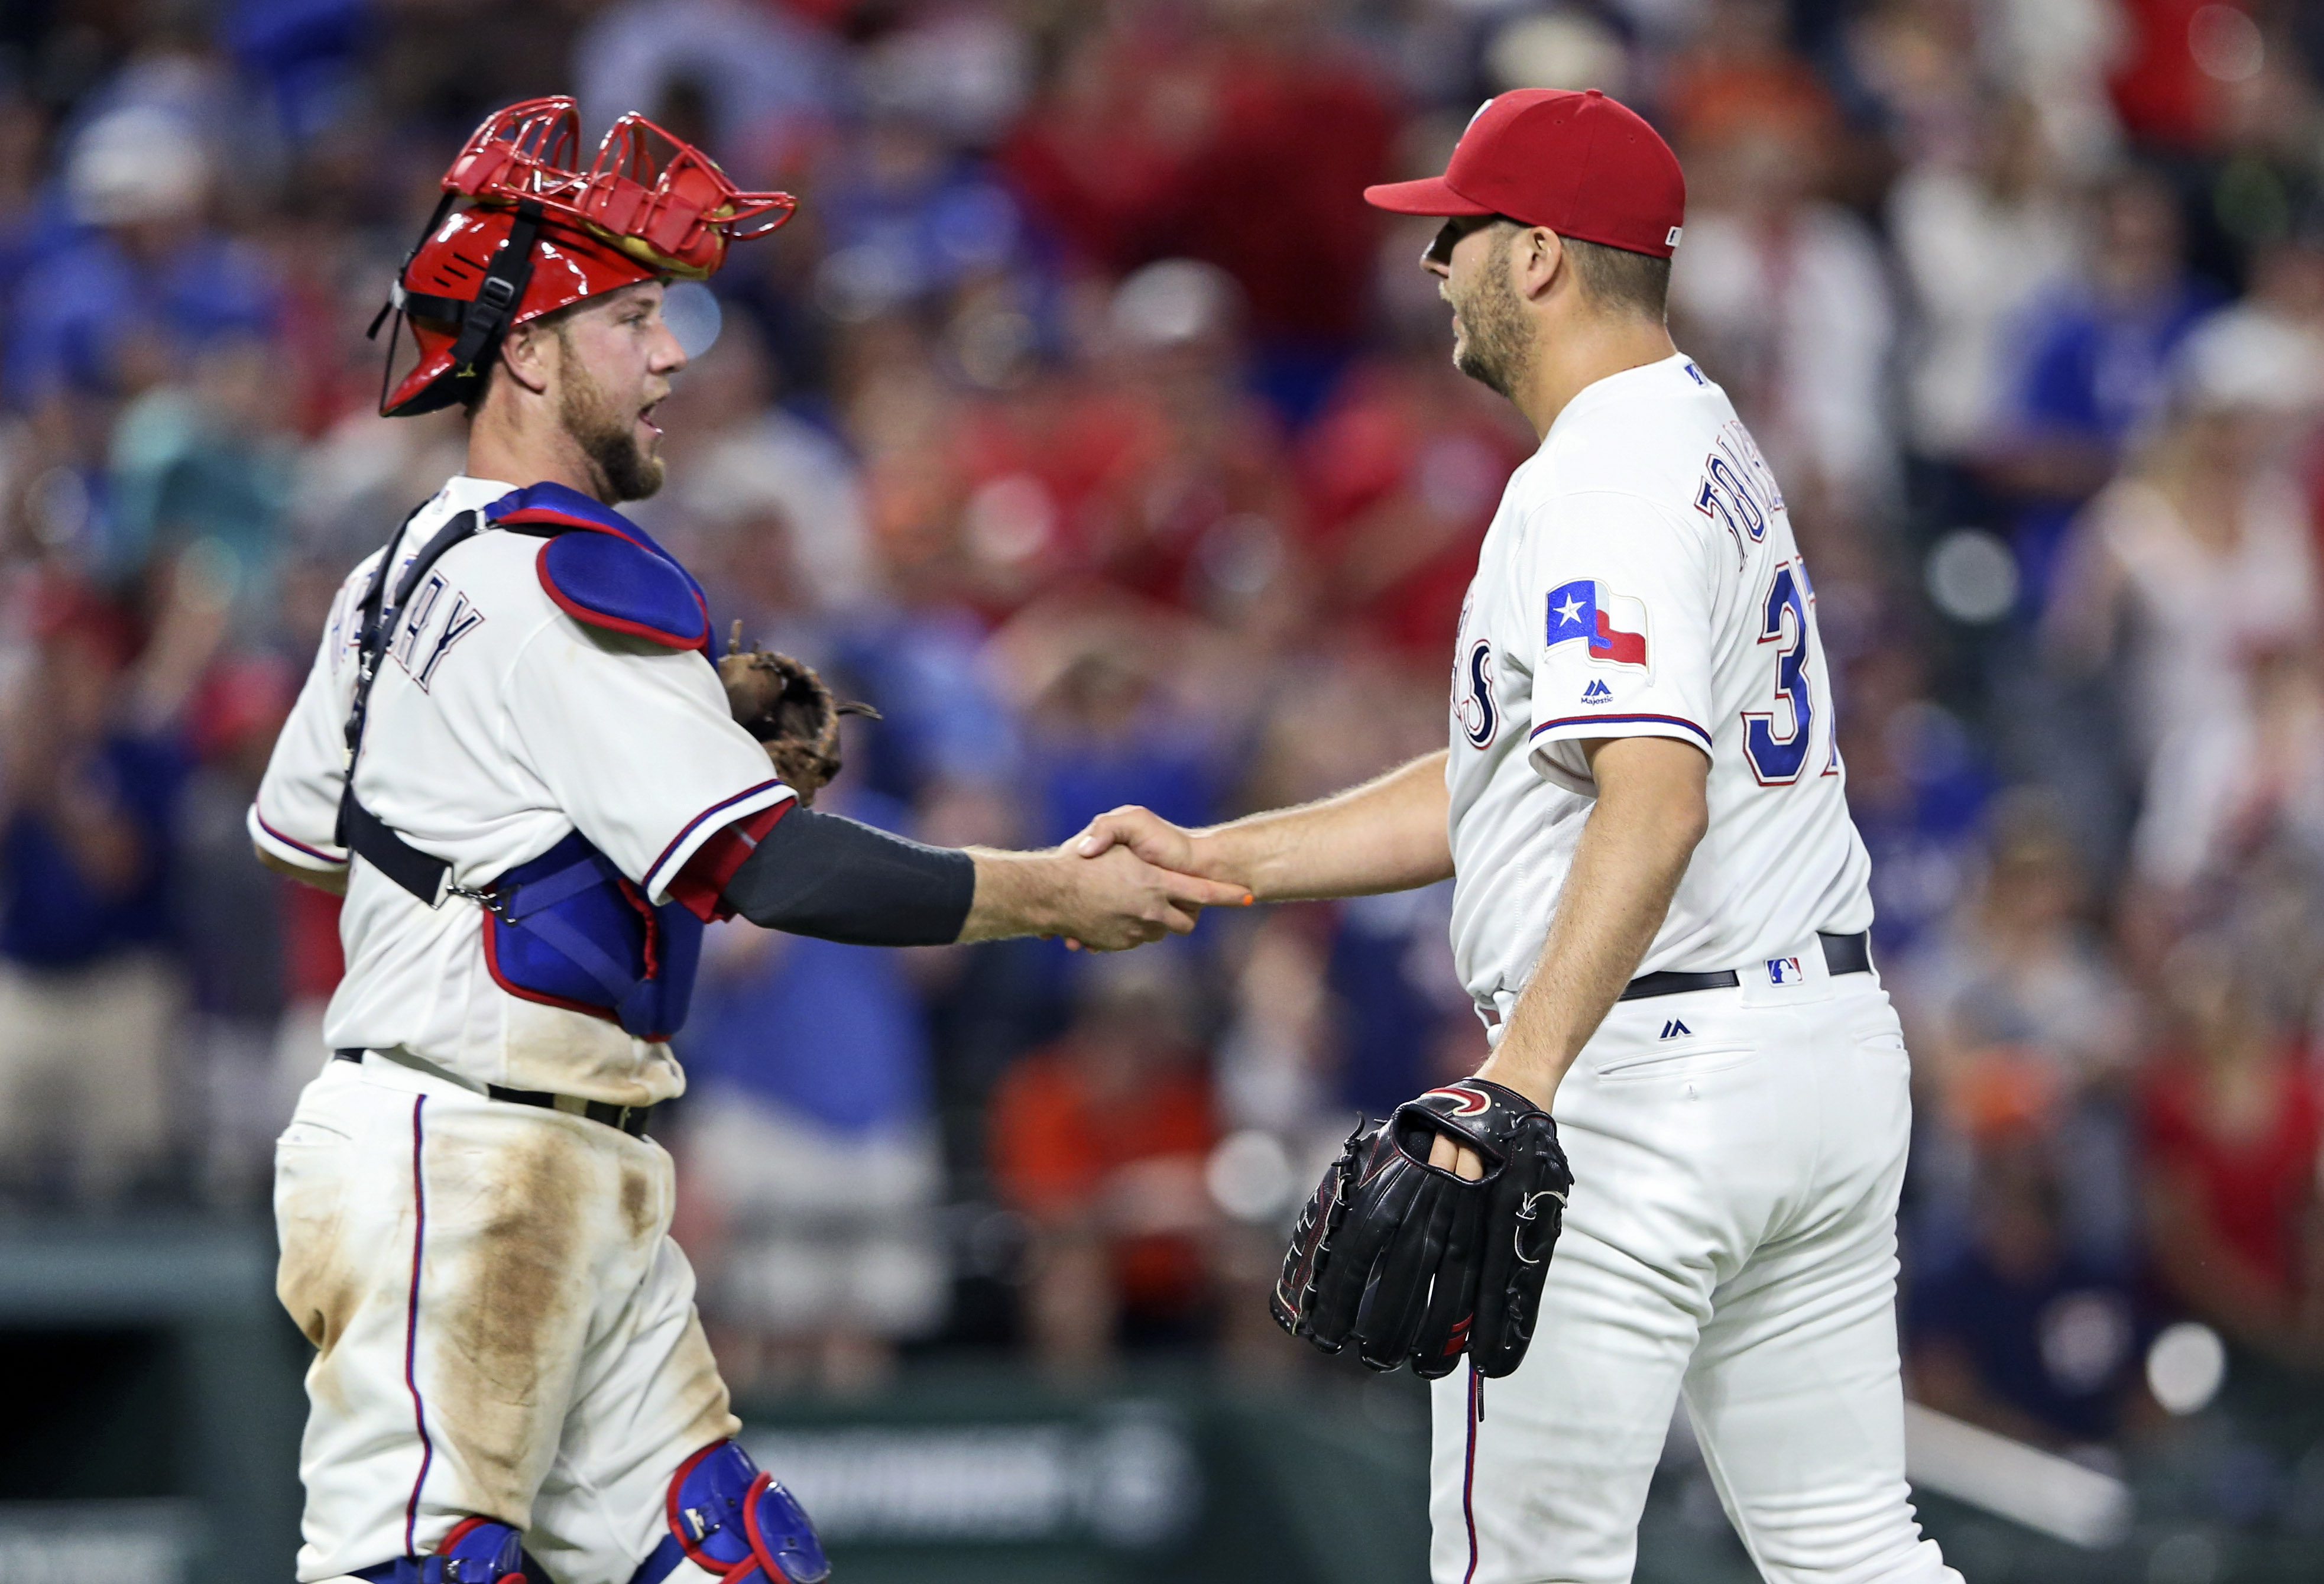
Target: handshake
1123, 881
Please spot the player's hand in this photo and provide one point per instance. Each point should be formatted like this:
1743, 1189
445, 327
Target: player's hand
1456, 1157
1118, 899
1143, 831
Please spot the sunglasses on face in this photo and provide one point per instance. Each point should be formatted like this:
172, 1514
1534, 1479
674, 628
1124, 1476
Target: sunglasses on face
1449, 236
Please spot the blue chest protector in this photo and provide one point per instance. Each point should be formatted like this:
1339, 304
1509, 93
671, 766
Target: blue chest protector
566, 928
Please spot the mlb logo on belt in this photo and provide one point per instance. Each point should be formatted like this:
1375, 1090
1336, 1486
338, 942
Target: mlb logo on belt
1784, 971
1613, 625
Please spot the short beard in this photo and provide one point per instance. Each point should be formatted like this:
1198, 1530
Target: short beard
1495, 345
607, 435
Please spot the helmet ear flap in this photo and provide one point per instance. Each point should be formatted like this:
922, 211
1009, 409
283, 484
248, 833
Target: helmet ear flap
450, 361
487, 317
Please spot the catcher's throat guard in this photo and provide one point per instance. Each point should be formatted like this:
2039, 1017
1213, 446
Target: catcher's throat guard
541, 231
566, 928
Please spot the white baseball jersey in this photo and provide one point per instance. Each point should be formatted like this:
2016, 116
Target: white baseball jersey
498, 725
1640, 579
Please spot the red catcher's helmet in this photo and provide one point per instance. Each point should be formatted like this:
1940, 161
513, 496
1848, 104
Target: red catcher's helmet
541, 232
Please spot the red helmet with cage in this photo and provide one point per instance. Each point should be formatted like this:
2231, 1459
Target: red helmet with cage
540, 232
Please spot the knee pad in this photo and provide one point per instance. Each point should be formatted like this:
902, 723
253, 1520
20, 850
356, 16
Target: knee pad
727, 1516
477, 1551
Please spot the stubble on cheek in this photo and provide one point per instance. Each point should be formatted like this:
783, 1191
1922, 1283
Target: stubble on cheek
607, 432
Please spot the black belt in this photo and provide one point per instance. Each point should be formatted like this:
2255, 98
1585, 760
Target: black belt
630, 1119
1842, 954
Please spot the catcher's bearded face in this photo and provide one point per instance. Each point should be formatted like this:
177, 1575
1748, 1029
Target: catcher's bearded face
615, 358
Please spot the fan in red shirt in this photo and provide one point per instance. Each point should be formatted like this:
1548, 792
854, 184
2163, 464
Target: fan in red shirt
1099, 1141
2232, 1123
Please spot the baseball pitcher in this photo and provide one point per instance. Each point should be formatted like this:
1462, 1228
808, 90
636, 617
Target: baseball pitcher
1696, 1093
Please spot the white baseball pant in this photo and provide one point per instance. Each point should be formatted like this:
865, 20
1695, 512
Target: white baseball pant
504, 1328
1732, 1235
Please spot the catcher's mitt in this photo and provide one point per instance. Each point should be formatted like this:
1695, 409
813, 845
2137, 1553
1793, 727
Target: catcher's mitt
784, 705
1415, 1264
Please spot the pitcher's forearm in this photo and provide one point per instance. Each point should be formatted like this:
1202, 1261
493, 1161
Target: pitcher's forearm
1387, 834
1633, 852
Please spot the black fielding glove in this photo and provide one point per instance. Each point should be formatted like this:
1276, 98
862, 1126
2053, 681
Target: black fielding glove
1416, 1265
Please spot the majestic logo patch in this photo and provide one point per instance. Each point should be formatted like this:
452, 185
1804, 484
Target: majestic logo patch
1597, 693
1674, 1029
1613, 625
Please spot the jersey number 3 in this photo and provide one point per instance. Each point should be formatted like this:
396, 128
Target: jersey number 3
1777, 756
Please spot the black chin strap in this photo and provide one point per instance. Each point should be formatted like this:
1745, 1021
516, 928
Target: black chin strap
481, 321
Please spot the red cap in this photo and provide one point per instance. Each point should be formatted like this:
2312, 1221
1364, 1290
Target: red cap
1580, 164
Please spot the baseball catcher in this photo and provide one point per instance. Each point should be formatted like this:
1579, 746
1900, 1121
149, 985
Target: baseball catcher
518, 758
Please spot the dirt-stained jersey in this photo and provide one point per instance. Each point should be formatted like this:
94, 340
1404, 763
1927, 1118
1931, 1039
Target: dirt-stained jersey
499, 725
1640, 579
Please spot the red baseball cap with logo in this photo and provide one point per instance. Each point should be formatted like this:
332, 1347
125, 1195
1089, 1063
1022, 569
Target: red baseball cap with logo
1580, 164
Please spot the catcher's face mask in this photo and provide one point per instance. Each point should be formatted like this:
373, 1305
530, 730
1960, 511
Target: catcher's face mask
542, 232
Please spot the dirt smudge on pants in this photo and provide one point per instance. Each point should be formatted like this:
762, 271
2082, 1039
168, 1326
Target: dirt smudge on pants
316, 1277
516, 1292
637, 1202
696, 1380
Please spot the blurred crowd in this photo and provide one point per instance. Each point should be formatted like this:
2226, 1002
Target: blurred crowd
1086, 422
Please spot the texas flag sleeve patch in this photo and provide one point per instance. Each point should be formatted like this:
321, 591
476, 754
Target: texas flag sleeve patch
1613, 625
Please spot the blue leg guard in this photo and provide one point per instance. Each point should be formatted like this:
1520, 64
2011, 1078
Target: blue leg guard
477, 1551
727, 1516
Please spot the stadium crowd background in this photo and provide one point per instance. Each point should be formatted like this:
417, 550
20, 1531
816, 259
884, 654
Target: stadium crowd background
1086, 422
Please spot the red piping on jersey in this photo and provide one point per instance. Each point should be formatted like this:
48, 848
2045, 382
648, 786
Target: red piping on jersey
287, 842
700, 883
1594, 720
688, 828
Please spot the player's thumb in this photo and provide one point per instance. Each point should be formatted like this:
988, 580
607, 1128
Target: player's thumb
1118, 827
1103, 835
